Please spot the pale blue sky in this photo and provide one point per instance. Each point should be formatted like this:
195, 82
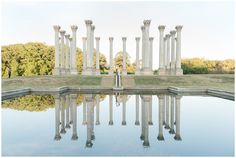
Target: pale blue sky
208, 27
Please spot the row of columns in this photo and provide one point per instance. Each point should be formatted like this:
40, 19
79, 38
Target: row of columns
66, 115
65, 51
170, 52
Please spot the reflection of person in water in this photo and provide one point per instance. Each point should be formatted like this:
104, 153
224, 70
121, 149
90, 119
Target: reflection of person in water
117, 95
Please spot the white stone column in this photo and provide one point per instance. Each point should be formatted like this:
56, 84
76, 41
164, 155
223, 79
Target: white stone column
74, 117
84, 112
71, 110
142, 119
137, 72
168, 53
165, 55
161, 103
143, 49
110, 110
137, 111
164, 111
172, 131
62, 33
57, 117
161, 70
177, 113
73, 62
84, 55
111, 56
146, 69
97, 56
124, 72
97, 109
89, 102
57, 50
63, 100
150, 111
123, 113
67, 69
172, 64
179, 71
92, 48
167, 125
71, 50
151, 52
89, 51
67, 111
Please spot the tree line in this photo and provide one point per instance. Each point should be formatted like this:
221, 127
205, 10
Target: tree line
38, 59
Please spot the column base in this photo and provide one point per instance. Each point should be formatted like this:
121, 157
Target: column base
74, 71
150, 123
179, 72
177, 137
56, 71
63, 71
142, 137
74, 137
67, 125
71, 122
123, 123
172, 131
137, 123
146, 143
160, 137
89, 144
161, 71
167, 126
63, 131
57, 137
110, 122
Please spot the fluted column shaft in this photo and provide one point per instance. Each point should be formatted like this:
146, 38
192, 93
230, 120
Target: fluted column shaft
97, 56
177, 113
111, 56
89, 51
137, 72
167, 125
178, 48
63, 99
124, 72
161, 69
151, 52
67, 54
172, 131
143, 48
84, 112
71, 50
84, 54
92, 47
67, 111
168, 52
57, 50
89, 102
146, 47
165, 53
97, 109
62, 33
124, 113
73, 64
150, 112
172, 33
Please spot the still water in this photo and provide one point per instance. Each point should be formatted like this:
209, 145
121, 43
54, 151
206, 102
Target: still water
118, 125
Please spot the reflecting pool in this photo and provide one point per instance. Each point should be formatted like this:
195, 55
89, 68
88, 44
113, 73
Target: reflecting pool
117, 125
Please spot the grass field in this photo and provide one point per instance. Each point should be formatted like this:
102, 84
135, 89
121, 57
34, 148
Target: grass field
218, 81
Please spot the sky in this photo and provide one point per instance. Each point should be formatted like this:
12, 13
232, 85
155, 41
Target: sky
208, 27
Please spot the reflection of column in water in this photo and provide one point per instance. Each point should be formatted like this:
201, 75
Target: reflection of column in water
93, 136
57, 117
161, 106
146, 102
142, 119
97, 110
172, 131
167, 126
110, 110
137, 110
89, 103
177, 115
67, 111
84, 112
63, 99
163, 111
71, 110
74, 116
123, 112
150, 112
